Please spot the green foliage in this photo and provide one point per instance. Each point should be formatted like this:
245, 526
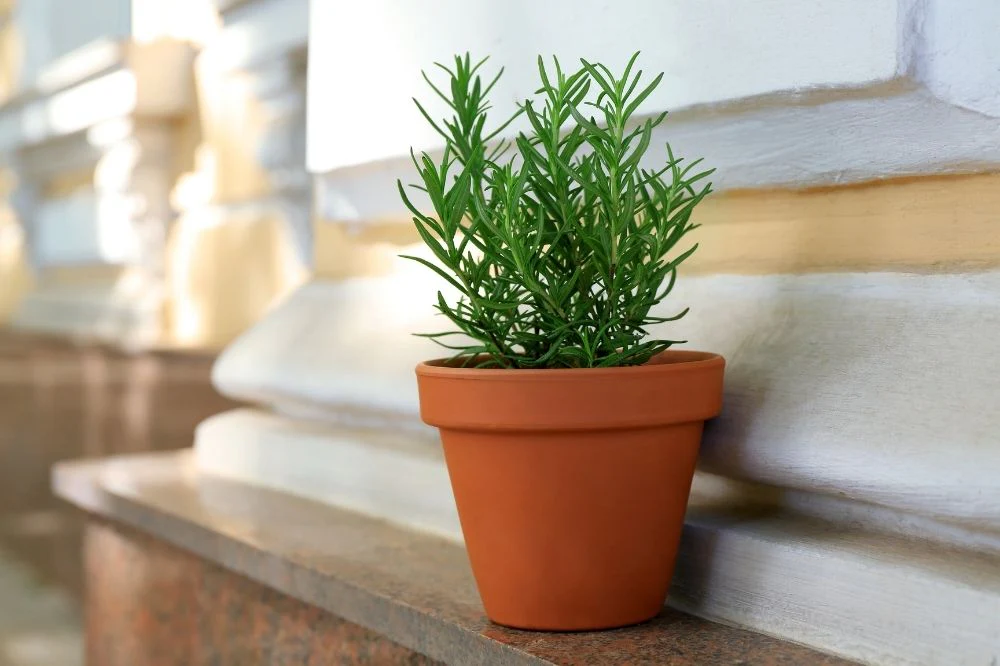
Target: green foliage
558, 242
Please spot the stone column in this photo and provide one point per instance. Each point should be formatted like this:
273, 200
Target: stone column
243, 238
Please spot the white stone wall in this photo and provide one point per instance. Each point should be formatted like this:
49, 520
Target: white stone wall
775, 93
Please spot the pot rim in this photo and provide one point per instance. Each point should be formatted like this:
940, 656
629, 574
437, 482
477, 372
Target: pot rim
674, 387
670, 360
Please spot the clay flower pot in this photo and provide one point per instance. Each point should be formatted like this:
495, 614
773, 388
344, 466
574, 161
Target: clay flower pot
571, 485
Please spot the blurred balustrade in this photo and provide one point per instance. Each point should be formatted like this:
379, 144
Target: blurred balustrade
153, 205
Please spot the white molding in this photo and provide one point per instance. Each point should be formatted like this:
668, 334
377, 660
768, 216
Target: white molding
86, 228
257, 31
864, 595
227, 5
121, 215
315, 348
842, 384
924, 97
395, 476
797, 144
111, 95
867, 386
957, 58
68, 154
106, 107
89, 60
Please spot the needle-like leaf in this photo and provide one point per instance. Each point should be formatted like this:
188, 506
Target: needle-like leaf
560, 250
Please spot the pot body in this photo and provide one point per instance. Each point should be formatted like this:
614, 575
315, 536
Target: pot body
571, 485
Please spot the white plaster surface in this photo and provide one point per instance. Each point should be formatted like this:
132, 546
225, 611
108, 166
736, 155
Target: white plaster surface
345, 344
399, 477
795, 144
874, 598
258, 30
871, 387
958, 58
875, 387
711, 51
802, 94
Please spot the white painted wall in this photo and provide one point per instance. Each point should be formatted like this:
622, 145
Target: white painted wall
259, 30
366, 57
958, 58
54, 28
772, 94
791, 145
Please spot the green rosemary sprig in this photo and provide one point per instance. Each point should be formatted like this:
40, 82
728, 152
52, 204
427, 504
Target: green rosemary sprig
559, 242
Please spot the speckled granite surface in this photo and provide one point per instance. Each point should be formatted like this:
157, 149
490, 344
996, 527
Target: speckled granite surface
149, 604
413, 589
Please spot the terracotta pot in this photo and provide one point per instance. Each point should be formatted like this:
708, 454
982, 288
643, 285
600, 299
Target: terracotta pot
571, 485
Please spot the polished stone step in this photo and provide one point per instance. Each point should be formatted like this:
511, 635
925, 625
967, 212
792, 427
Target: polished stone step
412, 589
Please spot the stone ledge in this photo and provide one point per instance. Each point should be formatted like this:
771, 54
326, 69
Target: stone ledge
835, 574
414, 589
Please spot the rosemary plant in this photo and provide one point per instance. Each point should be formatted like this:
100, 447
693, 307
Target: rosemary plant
560, 241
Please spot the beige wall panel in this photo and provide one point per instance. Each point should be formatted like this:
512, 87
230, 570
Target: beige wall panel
67, 184
927, 224
15, 275
10, 57
81, 274
921, 224
189, 137
231, 122
342, 250
224, 274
